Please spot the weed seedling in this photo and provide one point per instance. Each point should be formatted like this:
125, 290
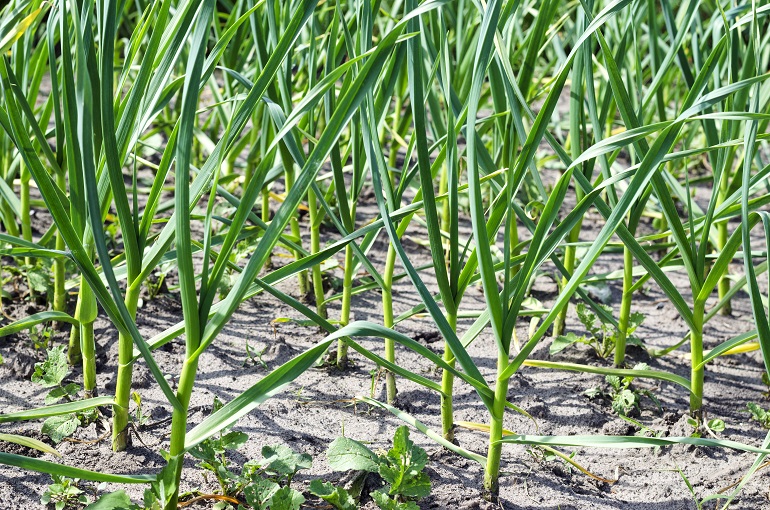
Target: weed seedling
139, 417
623, 397
64, 493
759, 415
50, 374
264, 484
602, 336
401, 468
255, 357
337, 497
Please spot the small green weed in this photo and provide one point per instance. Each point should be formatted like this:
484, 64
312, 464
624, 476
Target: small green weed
623, 397
601, 336
63, 493
759, 414
401, 468
264, 484
51, 374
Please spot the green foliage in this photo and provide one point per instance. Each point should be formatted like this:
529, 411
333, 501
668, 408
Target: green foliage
165, 487
59, 427
428, 104
286, 498
337, 497
117, 500
758, 414
53, 370
385, 502
264, 484
139, 417
259, 493
283, 463
345, 454
40, 279
602, 336
624, 398
255, 357
157, 284
401, 467
63, 493
709, 428
51, 373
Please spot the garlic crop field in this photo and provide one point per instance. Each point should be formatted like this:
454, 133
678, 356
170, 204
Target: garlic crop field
390, 254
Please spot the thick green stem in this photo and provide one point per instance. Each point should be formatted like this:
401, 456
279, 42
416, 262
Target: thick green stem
315, 247
123, 378
74, 352
265, 205
59, 276
724, 282
82, 348
347, 293
625, 307
398, 106
696, 358
722, 234
26, 222
569, 264
179, 425
302, 277
492, 470
88, 346
9, 219
447, 386
515, 251
387, 319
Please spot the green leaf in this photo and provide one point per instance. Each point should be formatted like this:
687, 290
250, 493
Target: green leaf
346, 454
337, 497
53, 370
598, 441
716, 425
286, 498
402, 467
561, 342
613, 372
589, 320
40, 280
118, 500
43, 466
759, 414
57, 409
34, 320
20, 28
60, 392
411, 420
59, 427
234, 440
623, 401
29, 443
283, 460
386, 503
636, 320
251, 398
260, 492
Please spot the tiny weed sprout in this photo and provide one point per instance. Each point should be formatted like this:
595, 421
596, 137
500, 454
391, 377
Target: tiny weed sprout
533, 185
758, 414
